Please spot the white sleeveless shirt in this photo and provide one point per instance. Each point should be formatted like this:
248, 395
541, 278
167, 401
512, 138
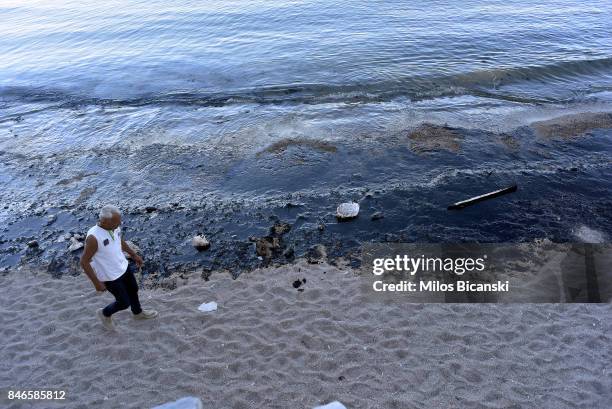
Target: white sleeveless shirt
109, 262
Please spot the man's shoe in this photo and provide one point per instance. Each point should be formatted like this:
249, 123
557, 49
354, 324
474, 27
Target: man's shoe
145, 315
107, 322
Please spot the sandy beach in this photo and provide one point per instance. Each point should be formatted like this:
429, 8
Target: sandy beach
271, 346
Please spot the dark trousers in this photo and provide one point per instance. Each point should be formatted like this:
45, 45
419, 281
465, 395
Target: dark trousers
125, 290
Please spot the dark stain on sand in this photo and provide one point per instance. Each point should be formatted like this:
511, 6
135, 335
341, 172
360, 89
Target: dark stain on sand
569, 126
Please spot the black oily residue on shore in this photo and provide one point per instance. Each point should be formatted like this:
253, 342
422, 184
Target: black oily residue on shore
563, 184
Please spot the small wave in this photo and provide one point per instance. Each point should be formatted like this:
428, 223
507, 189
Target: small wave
482, 83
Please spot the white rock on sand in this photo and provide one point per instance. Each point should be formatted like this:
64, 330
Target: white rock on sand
272, 346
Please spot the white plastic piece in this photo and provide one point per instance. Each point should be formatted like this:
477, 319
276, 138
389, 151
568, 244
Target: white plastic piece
208, 306
347, 211
74, 244
200, 242
333, 405
184, 403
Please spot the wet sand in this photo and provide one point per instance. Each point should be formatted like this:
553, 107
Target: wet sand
272, 346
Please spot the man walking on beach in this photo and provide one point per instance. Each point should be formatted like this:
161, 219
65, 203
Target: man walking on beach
107, 268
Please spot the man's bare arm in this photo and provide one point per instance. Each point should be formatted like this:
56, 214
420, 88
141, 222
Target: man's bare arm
91, 246
125, 247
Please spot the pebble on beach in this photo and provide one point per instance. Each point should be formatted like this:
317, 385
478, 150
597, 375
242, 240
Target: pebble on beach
377, 216
200, 243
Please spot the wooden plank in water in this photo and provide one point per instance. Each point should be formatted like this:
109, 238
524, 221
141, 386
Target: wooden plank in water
486, 196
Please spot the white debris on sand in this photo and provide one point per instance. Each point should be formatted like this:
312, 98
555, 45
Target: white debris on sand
75, 244
347, 211
332, 405
184, 403
208, 306
200, 242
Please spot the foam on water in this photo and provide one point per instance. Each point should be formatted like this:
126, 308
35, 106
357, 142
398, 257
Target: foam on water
589, 235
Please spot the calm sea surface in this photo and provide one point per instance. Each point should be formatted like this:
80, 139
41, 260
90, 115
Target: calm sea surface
199, 51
